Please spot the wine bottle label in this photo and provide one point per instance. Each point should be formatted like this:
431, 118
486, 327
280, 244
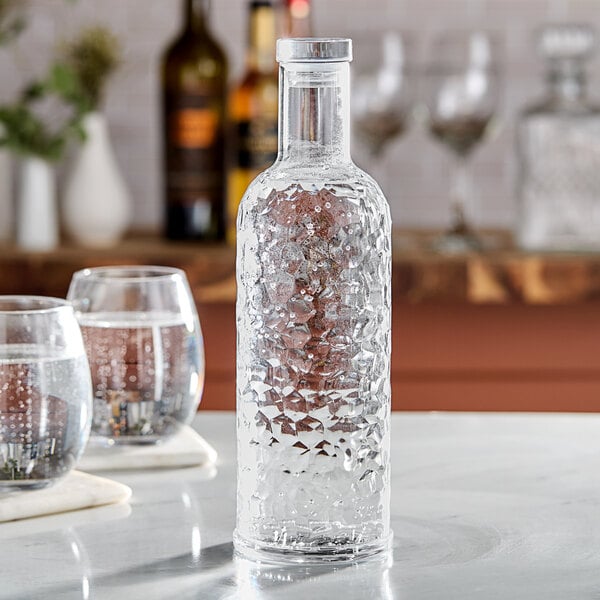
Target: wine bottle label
195, 150
193, 128
193, 120
256, 143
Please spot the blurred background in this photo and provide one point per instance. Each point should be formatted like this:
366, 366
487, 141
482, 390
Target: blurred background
417, 185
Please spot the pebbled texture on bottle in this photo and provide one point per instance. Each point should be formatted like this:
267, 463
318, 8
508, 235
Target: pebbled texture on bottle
314, 264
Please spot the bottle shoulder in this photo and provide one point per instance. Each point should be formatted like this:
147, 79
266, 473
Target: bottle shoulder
311, 176
346, 181
189, 48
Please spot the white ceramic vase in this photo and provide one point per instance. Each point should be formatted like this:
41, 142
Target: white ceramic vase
96, 204
37, 219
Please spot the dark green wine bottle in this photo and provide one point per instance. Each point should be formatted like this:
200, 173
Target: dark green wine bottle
194, 83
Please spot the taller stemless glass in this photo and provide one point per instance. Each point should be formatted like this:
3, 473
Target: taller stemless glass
144, 344
45, 391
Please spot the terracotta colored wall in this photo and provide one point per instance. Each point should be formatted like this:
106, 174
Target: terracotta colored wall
461, 357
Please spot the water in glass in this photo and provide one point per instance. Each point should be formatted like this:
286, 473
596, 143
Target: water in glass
145, 372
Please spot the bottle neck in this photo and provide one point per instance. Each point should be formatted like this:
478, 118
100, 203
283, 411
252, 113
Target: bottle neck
567, 80
314, 113
262, 39
298, 18
196, 15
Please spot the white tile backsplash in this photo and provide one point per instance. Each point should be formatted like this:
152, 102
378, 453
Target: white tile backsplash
416, 167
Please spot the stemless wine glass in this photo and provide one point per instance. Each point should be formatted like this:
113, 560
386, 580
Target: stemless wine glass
380, 92
462, 86
45, 391
144, 344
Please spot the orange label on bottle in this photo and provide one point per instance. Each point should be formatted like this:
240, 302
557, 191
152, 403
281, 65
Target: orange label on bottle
194, 127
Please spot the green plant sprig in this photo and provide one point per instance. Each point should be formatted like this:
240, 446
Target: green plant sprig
76, 82
27, 133
93, 56
12, 20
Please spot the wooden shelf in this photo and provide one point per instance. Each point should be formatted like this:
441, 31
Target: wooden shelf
210, 268
501, 276
469, 332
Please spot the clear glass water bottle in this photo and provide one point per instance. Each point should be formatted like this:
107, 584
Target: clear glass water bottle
559, 150
313, 319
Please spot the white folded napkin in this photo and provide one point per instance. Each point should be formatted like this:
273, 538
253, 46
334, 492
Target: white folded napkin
76, 491
185, 449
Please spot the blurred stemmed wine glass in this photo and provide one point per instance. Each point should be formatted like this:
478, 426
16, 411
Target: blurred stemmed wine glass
461, 95
380, 95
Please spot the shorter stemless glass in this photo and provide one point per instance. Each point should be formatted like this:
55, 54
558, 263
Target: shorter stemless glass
45, 391
144, 343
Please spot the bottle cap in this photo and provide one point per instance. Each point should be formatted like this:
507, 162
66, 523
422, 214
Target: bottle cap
314, 50
567, 41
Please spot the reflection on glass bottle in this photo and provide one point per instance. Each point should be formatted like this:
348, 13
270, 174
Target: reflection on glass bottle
194, 79
256, 580
559, 151
253, 110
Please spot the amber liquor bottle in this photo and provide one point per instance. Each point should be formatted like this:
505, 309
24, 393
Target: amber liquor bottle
253, 109
194, 83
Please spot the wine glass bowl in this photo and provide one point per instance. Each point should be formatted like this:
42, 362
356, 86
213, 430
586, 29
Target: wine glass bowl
380, 91
461, 134
145, 348
461, 97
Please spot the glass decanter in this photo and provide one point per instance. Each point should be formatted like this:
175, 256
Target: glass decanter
313, 322
559, 151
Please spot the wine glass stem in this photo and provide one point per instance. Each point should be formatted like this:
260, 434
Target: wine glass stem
460, 195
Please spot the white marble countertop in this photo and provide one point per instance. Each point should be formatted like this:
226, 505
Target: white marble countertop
484, 506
